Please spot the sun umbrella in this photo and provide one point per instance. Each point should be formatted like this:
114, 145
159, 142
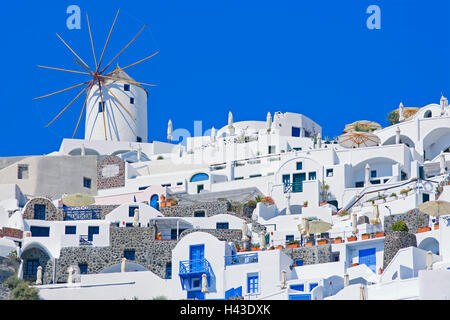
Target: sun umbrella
318, 226
136, 218
304, 227
244, 231
435, 208
376, 214
283, 279
39, 275
362, 292
123, 265
78, 200
358, 139
204, 284
429, 260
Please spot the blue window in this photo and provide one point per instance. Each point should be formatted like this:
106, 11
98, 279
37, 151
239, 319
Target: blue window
169, 270
199, 214
126, 87
195, 283
312, 176
91, 231
86, 182
143, 188
222, 225
40, 231
39, 211
71, 230
299, 262
289, 237
312, 286
199, 177
166, 185
295, 132
329, 172
83, 268
252, 283
129, 254
179, 183
138, 139
131, 210
31, 267
101, 106
373, 173
299, 165
131, 100
298, 287
129, 225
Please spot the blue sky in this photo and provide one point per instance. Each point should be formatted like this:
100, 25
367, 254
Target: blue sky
317, 58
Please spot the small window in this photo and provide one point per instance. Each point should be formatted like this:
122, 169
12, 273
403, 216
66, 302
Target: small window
39, 211
252, 283
71, 230
271, 149
22, 171
200, 187
373, 173
289, 237
166, 185
169, 270
195, 283
255, 175
299, 263
239, 178
299, 165
199, 214
298, 287
101, 106
179, 183
40, 231
295, 132
428, 114
298, 149
131, 210
86, 182
359, 184
222, 225
131, 100
126, 87
83, 268
138, 139
329, 172
129, 254
312, 175
129, 225
143, 188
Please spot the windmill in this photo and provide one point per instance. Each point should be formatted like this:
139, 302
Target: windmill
100, 78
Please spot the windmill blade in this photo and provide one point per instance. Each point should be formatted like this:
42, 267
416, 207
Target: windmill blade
90, 35
47, 95
133, 64
117, 55
66, 70
74, 52
103, 107
81, 65
66, 106
82, 111
107, 40
111, 93
131, 81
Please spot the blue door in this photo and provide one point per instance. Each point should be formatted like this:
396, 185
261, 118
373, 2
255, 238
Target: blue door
298, 179
196, 255
367, 257
154, 201
91, 231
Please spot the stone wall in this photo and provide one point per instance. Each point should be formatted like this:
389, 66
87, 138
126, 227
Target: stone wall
51, 212
211, 208
107, 179
228, 235
395, 241
44, 261
414, 219
310, 255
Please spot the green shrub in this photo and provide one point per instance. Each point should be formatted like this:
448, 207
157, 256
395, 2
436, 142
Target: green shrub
159, 158
160, 298
12, 282
251, 203
23, 292
393, 117
399, 226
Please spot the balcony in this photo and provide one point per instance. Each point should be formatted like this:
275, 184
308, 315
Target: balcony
194, 269
293, 187
84, 240
81, 214
241, 259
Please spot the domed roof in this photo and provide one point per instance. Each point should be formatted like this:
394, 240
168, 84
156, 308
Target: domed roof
120, 74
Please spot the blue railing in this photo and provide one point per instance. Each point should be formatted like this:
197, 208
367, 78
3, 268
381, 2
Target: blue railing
81, 214
195, 266
241, 259
292, 187
84, 240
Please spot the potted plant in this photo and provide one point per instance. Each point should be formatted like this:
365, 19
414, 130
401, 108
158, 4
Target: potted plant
255, 247
423, 229
436, 226
309, 243
305, 204
379, 234
393, 196
403, 192
242, 250
272, 248
268, 201
343, 213
354, 264
337, 240
365, 236
279, 247
322, 241
293, 244
399, 226
351, 238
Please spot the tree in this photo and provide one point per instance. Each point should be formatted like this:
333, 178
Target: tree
393, 117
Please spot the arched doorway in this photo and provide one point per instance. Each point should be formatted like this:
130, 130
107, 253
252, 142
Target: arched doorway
154, 201
430, 244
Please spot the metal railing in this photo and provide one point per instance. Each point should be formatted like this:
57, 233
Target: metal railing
81, 214
195, 266
84, 240
241, 259
293, 187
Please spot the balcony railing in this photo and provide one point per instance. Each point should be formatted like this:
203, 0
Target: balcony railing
293, 187
195, 266
241, 259
81, 214
84, 240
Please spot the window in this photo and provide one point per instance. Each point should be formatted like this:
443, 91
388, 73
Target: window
295, 132
39, 211
373, 173
199, 214
428, 114
131, 210
169, 270
312, 286
255, 175
143, 188
31, 267
222, 225
101, 106
299, 165
200, 187
129, 225
195, 283
71, 230
129, 254
299, 263
271, 149
359, 184
252, 283
138, 139
329, 172
166, 185
179, 183
83, 268
312, 176
22, 171
40, 231
239, 178
298, 287
86, 182
298, 149
286, 179
91, 231
126, 87
131, 100
199, 177
289, 237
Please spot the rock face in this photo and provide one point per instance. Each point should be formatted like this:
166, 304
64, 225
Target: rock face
414, 219
8, 267
394, 241
310, 255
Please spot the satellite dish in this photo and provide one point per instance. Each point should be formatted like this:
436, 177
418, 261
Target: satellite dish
78, 200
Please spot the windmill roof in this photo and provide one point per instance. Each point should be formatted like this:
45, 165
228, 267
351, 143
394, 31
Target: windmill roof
120, 74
